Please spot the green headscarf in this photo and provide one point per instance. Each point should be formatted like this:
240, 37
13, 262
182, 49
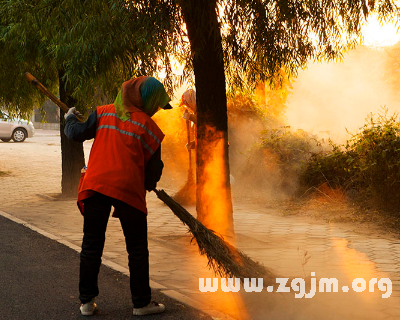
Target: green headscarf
144, 93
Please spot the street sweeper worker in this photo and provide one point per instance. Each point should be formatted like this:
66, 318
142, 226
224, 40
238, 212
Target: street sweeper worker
188, 101
124, 162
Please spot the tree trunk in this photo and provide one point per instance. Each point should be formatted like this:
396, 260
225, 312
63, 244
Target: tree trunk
72, 155
214, 202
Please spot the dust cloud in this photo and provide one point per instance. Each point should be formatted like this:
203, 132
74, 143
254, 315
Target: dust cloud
173, 151
326, 101
338, 95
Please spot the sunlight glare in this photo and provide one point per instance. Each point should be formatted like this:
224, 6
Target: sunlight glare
380, 35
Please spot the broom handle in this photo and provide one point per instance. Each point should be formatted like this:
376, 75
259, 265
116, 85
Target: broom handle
53, 98
190, 150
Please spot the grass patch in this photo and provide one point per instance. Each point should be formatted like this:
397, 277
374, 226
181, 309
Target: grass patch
366, 168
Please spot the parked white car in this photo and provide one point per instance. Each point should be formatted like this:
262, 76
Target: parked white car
16, 129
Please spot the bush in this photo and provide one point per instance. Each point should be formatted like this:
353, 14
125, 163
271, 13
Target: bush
368, 164
275, 162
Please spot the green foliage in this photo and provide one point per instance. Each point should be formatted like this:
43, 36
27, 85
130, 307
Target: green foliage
100, 44
290, 148
274, 163
243, 105
286, 152
21, 50
96, 44
368, 164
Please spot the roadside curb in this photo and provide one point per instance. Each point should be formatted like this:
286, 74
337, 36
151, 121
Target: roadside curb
217, 315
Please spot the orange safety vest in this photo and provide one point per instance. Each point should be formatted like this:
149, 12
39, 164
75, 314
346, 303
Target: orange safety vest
119, 156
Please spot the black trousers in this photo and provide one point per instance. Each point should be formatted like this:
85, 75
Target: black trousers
134, 225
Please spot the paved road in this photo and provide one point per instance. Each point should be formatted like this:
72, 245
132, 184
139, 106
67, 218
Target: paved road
39, 280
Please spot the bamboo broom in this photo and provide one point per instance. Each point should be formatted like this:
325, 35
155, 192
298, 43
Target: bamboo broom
223, 258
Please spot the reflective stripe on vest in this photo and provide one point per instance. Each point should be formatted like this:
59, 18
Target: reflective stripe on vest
128, 134
131, 121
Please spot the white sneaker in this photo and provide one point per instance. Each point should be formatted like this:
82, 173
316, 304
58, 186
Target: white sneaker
152, 307
87, 309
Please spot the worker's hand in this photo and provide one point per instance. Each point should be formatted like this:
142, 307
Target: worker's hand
74, 112
191, 145
186, 115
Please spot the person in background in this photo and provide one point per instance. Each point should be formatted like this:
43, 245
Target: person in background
124, 162
188, 101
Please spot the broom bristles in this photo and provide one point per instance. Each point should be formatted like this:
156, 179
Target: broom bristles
187, 194
223, 258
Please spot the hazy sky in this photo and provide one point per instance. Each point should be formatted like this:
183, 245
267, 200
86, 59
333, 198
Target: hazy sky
336, 96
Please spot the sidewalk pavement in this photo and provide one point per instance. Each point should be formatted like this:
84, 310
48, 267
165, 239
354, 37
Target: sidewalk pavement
293, 246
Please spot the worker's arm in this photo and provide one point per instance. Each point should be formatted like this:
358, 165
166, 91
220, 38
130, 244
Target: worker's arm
190, 116
80, 131
193, 118
191, 145
153, 170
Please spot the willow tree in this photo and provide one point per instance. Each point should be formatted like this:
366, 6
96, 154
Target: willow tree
223, 45
23, 47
